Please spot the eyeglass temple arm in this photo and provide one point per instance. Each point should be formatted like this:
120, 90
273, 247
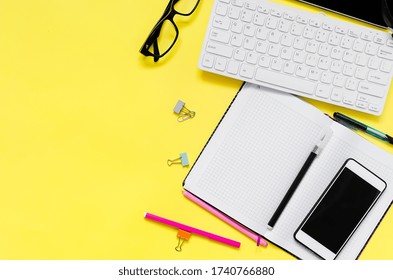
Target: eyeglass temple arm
387, 14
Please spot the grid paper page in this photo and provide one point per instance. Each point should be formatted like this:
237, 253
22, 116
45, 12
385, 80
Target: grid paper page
255, 154
343, 145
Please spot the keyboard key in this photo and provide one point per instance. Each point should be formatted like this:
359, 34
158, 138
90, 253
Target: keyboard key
349, 98
284, 25
349, 56
249, 43
337, 94
336, 66
274, 36
314, 74
386, 66
262, 33
297, 29
247, 71
236, 40
367, 35
262, 9
349, 70
219, 49
289, 82
264, 61
323, 63
259, 19
276, 13
234, 12
302, 71
289, 16
220, 64
321, 36
361, 59
323, 91
374, 63
286, 53
252, 58
339, 80
312, 60
302, 20
361, 104
249, 30
379, 39
371, 49
246, 16
309, 32
337, 53
276, 64
287, 40
220, 36
208, 60
311, 47
327, 26
359, 45
237, 27
374, 107
261, 46
289, 67
233, 67
272, 22
221, 22
299, 57
240, 55
316, 23
221, 9
378, 78
300, 43
327, 77
274, 50
341, 30
347, 42
370, 89
361, 73
250, 6
351, 84
385, 53
354, 33
238, 3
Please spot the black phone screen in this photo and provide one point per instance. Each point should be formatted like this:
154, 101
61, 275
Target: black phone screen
340, 211
366, 10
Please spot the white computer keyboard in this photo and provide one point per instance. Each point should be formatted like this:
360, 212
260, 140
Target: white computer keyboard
304, 53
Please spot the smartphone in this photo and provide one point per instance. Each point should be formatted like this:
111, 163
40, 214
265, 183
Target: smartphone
369, 11
340, 210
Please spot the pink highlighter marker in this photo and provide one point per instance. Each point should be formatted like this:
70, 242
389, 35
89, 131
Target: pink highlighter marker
227, 220
192, 230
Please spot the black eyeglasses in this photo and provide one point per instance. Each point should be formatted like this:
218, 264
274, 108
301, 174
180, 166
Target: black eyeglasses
164, 34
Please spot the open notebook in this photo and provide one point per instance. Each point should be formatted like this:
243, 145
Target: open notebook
256, 152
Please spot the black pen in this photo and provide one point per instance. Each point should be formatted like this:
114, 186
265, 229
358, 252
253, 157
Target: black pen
314, 153
351, 123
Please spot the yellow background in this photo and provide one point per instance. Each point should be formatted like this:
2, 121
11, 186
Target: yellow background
86, 128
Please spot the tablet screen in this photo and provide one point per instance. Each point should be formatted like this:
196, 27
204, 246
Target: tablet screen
365, 10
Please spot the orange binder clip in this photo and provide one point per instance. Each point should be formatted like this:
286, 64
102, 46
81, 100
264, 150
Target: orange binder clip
182, 235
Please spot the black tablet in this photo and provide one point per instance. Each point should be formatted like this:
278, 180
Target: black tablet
369, 11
